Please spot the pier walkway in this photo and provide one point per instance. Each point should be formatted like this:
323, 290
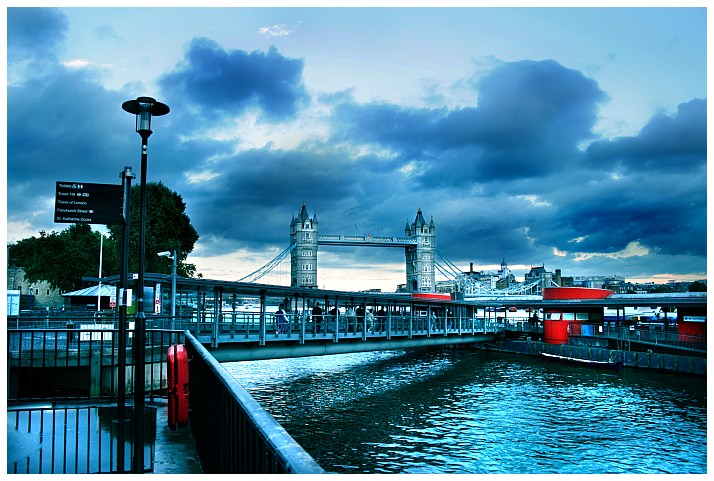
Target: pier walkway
174, 451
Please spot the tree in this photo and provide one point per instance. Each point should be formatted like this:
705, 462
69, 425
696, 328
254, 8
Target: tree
698, 286
167, 228
61, 259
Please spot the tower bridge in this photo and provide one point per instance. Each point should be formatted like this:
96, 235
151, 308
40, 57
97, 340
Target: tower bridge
422, 260
419, 244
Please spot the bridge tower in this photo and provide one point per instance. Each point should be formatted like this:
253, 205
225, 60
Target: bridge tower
420, 257
303, 258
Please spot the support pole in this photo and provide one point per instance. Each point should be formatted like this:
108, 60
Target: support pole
173, 291
140, 324
126, 176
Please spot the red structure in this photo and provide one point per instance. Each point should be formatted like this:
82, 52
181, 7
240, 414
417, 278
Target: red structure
432, 295
177, 379
558, 321
691, 321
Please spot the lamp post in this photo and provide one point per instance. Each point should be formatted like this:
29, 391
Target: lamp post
173, 283
144, 108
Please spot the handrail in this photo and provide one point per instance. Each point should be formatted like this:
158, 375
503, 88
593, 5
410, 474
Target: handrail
647, 336
233, 432
66, 364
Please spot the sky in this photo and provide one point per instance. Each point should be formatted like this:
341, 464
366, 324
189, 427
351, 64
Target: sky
572, 138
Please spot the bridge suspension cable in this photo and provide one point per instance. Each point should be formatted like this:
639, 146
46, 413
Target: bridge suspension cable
471, 287
466, 283
262, 271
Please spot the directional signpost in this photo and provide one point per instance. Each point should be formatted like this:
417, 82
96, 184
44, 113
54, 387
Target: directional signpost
85, 203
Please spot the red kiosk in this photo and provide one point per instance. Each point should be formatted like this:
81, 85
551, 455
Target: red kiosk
557, 322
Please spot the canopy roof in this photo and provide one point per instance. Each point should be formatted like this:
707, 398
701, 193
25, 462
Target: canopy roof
92, 291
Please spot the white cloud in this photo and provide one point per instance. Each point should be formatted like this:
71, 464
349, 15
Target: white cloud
534, 200
20, 229
633, 249
277, 30
82, 63
76, 63
197, 178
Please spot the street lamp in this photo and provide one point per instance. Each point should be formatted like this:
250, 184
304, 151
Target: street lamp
144, 108
173, 283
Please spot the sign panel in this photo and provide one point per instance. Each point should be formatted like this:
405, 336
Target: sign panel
85, 203
157, 299
13, 302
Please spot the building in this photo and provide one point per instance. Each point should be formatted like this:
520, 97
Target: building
421, 276
303, 258
486, 279
540, 275
505, 278
599, 282
87, 298
33, 295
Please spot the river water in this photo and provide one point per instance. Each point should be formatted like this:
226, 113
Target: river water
471, 411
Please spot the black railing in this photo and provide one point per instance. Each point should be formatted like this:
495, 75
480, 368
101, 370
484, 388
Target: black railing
233, 433
68, 364
647, 335
74, 440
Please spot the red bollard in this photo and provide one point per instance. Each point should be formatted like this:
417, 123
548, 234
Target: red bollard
178, 385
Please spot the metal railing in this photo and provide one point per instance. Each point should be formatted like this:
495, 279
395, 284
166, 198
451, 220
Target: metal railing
646, 335
233, 433
66, 364
301, 324
520, 325
73, 440
68, 321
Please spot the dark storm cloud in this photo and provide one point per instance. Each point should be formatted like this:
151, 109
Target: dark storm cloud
34, 34
64, 127
530, 118
666, 144
263, 187
525, 185
650, 187
537, 103
503, 178
226, 82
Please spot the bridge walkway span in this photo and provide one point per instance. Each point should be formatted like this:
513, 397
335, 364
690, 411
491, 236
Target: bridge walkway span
251, 347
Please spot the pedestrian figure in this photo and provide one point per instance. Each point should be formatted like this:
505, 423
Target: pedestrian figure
370, 321
350, 319
332, 319
360, 314
533, 321
317, 317
381, 319
282, 320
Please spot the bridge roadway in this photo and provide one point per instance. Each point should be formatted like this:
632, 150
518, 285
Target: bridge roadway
364, 240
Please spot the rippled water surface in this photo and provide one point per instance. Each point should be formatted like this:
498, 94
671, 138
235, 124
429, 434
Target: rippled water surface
470, 411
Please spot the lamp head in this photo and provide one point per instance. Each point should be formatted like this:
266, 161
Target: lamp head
165, 254
144, 108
